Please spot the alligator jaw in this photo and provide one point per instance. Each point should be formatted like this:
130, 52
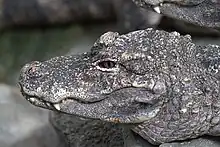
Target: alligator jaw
53, 106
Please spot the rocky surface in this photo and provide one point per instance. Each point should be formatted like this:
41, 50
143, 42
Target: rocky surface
80, 132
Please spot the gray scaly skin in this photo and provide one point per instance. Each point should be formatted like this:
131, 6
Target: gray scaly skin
204, 13
161, 84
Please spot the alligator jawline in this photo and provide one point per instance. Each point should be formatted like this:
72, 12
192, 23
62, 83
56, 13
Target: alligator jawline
34, 100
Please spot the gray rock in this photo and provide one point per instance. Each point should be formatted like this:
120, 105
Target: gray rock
80, 132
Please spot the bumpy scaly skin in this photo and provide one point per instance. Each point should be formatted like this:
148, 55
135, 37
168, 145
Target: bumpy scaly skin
204, 13
160, 82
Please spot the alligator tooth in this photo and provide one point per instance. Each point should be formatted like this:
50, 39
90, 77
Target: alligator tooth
48, 104
57, 106
32, 99
157, 9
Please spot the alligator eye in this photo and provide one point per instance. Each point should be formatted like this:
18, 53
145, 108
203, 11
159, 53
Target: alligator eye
107, 64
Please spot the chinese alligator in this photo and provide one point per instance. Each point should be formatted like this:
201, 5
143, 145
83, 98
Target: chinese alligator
159, 84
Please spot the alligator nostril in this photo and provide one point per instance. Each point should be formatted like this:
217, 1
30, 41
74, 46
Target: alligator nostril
33, 70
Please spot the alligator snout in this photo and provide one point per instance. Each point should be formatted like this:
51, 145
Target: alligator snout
31, 70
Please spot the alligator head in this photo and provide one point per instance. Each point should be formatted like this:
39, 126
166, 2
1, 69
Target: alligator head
124, 78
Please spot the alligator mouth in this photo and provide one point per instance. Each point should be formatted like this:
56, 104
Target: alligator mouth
40, 102
157, 8
54, 106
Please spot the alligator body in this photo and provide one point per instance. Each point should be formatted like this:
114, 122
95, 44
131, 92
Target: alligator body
204, 13
160, 84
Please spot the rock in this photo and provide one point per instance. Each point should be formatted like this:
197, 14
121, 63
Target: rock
80, 132
21, 124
